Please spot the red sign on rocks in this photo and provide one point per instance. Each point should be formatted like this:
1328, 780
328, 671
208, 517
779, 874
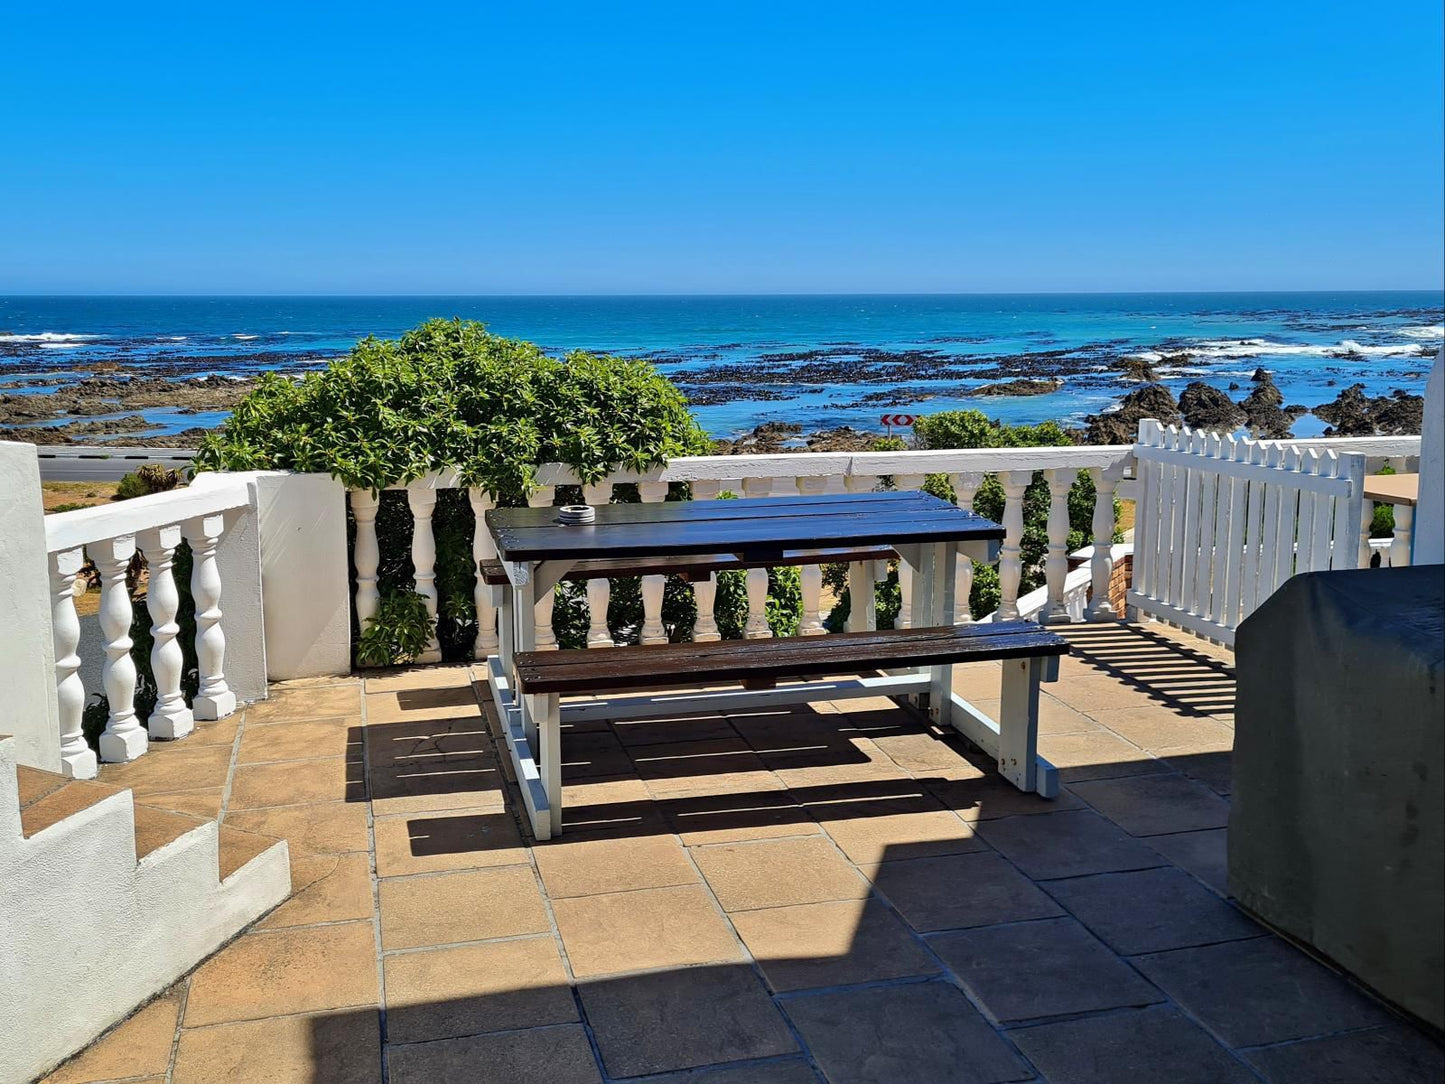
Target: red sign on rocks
891, 420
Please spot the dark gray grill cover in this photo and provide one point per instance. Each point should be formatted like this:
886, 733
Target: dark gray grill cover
1337, 830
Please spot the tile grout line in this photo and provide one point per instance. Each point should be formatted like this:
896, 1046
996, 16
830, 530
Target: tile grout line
383, 1072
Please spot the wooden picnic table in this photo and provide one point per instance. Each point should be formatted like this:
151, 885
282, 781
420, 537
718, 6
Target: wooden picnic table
1398, 489
536, 551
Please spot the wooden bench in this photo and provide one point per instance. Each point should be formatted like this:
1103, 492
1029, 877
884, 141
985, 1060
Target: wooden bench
918, 660
697, 567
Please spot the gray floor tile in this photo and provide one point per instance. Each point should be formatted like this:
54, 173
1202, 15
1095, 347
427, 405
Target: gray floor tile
1070, 844
1260, 991
1204, 854
890, 1034
961, 890
1038, 969
1148, 805
1399, 1054
1151, 910
1145, 1046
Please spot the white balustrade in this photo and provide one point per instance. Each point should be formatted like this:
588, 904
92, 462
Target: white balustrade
484, 548
1056, 562
653, 587
214, 698
904, 620
171, 718
77, 758
1010, 559
546, 638
422, 500
704, 626
965, 488
124, 738
1101, 607
599, 590
364, 505
1403, 535
862, 599
757, 627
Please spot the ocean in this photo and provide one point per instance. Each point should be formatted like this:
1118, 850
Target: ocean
817, 361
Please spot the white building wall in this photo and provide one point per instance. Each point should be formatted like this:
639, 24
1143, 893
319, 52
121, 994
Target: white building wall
1430, 512
28, 709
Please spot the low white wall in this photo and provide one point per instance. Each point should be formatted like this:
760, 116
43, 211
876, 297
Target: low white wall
304, 583
27, 652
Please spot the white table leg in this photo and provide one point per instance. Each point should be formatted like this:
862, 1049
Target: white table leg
941, 583
1018, 722
549, 723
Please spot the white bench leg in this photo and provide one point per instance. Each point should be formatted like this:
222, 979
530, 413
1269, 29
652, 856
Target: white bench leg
549, 726
1018, 724
940, 580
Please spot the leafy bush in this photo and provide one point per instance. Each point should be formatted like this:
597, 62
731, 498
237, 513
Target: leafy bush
151, 478
398, 633
448, 394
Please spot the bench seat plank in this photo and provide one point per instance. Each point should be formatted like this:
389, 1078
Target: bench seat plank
663, 666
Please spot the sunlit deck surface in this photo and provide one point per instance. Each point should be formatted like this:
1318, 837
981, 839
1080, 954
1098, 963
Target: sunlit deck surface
831, 893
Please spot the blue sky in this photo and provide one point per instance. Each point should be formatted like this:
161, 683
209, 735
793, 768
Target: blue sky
728, 148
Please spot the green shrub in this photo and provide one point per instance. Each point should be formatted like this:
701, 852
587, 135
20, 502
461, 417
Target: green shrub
448, 394
151, 478
398, 632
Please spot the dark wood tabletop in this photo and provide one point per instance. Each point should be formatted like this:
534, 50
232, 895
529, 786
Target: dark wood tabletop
755, 528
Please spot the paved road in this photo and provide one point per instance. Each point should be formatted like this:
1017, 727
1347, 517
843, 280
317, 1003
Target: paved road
78, 463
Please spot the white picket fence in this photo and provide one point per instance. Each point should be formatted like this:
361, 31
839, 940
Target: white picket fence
1223, 522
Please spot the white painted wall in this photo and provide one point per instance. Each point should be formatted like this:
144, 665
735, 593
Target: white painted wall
27, 653
304, 583
1430, 511
87, 933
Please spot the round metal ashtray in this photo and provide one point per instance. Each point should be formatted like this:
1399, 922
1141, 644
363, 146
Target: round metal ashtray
576, 514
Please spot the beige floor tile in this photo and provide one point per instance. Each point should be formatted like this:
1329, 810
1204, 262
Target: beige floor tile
460, 782
978, 681
683, 1017
1099, 754
921, 751
428, 677
137, 1047
219, 732
831, 944
731, 818
286, 971
559, 1054
591, 866
1150, 805
257, 786
471, 905
1055, 717
300, 740
989, 796
778, 872
664, 731
633, 931
196, 803
324, 888
1158, 727
170, 768
686, 769
960, 890
323, 828
409, 705
329, 1048
863, 772
458, 839
320, 702
869, 840
447, 992
427, 741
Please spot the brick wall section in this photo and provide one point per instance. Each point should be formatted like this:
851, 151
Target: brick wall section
1119, 582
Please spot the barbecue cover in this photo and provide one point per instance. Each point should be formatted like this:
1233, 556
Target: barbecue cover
1337, 827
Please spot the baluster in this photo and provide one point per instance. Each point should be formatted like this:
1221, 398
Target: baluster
704, 628
484, 548
1404, 528
905, 570
862, 598
124, 738
1367, 521
1010, 560
1056, 564
214, 699
1101, 565
171, 718
757, 578
422, 500
77, 759
965, 488
546, 638
364, 505
811, 576
599, 589
653, 587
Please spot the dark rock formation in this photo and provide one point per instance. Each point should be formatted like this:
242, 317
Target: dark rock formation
1354, 414
1138, 370
1204, 407
1018, 387
1263, 409
1122, 426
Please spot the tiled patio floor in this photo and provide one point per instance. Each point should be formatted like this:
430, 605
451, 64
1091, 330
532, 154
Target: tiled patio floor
833, 893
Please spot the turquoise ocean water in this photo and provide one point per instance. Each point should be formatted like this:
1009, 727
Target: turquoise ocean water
900, 353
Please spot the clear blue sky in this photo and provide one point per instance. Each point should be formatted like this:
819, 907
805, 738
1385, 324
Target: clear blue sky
720, 147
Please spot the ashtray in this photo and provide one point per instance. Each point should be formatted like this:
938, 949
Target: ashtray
572, 515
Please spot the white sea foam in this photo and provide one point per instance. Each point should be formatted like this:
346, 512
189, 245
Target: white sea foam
1249, 348
46, 337
245, 336
1424, 331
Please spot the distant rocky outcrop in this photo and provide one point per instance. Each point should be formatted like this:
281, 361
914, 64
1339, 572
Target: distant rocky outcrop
1138, 369
1204, 407
1121, 426
1022, 386
1264, 410
1355, 414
